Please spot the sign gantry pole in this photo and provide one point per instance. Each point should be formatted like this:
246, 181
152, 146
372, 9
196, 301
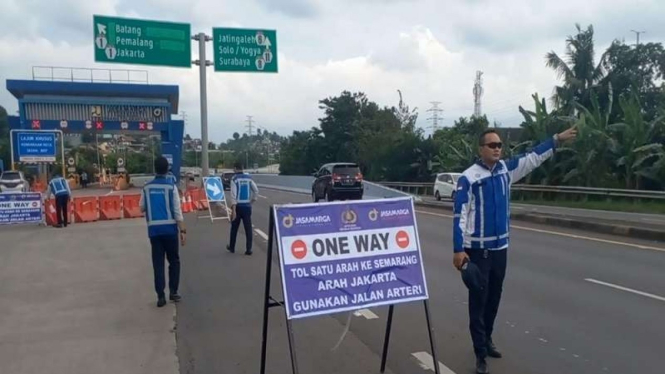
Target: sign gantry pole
202, 63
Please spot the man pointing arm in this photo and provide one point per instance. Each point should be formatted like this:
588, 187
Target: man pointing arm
481, 232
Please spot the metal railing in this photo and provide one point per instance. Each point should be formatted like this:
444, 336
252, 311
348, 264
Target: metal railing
427, 189
92, 75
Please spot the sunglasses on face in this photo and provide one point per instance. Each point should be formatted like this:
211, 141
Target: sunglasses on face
494, 145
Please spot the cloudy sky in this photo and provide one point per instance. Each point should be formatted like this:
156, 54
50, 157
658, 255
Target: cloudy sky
429, 49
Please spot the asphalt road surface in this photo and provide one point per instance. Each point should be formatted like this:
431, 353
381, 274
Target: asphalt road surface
573, 303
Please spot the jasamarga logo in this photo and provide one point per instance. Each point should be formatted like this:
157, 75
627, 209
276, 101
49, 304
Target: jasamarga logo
394, 212
312, 220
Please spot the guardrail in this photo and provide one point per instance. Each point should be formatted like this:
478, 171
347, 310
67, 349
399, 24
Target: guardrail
427, 189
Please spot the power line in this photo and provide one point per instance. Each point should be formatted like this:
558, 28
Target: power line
435, 115
477, 94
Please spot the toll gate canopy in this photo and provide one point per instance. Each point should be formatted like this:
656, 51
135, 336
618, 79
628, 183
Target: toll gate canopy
100, 108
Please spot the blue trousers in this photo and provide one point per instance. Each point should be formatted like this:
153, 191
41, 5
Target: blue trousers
484, 304
165, 246
244, 214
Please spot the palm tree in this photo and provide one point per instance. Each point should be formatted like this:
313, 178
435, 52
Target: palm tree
581, 76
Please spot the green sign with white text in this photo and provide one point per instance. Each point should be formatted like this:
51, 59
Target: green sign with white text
245, 50
134, 41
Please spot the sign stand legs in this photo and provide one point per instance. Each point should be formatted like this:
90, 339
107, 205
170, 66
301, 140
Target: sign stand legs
389, 325
430, 332
270, 302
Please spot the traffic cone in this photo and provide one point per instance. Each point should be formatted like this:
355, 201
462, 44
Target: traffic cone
187, 206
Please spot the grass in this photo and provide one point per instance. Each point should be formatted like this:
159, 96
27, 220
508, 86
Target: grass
614, 206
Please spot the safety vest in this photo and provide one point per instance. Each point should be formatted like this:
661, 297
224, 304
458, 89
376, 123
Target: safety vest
159, 211
243, 188
58, 186
172, 178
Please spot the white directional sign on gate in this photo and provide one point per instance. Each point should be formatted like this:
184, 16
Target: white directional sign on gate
214, 190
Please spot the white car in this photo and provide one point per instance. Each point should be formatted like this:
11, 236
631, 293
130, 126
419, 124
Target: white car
13, 182
445, 185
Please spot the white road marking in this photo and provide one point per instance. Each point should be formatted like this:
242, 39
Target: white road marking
263, 197
656, 297
427, 362
562, 234
261, 234
110, 193
368, 314
543, 340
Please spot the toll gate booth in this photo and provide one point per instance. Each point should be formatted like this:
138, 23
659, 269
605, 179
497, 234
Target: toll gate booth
100, 108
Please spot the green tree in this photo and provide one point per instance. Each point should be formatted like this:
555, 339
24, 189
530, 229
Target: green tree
581, 75
635, 70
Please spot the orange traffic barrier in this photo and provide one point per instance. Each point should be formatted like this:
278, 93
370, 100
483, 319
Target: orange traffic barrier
110, 207
130, 206
186, 203
203, 201
49, 212
86, 209
196, 199
38, 186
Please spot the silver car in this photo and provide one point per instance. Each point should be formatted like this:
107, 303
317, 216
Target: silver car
13, 182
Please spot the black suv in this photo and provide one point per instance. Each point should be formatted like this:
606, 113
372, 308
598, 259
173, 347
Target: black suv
338, 181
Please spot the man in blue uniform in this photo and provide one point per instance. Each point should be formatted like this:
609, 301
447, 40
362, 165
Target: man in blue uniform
161, 203
59, 188
481, 228
243, 194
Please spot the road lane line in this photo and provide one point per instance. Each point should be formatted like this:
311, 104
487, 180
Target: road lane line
427, 362
615, 286
562, 234
263, 197
368, 314
261, 234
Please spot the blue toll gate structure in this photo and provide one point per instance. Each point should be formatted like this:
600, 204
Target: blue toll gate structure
100, 108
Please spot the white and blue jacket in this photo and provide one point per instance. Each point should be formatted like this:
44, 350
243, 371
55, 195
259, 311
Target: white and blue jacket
161, 203
243, 189
482, 201
58, 186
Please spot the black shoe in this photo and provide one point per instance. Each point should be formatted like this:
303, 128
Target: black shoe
481, 366
161, 302
58, 226
248, 253
492, 351
228, 248
175, 297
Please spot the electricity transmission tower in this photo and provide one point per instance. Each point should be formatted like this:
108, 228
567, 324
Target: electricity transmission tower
435, 118
250, 125
477, 94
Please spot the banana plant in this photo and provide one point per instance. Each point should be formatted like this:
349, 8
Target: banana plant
636, 147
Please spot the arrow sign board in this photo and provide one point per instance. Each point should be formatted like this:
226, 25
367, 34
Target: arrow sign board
245, 50
135, 41
214, 188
